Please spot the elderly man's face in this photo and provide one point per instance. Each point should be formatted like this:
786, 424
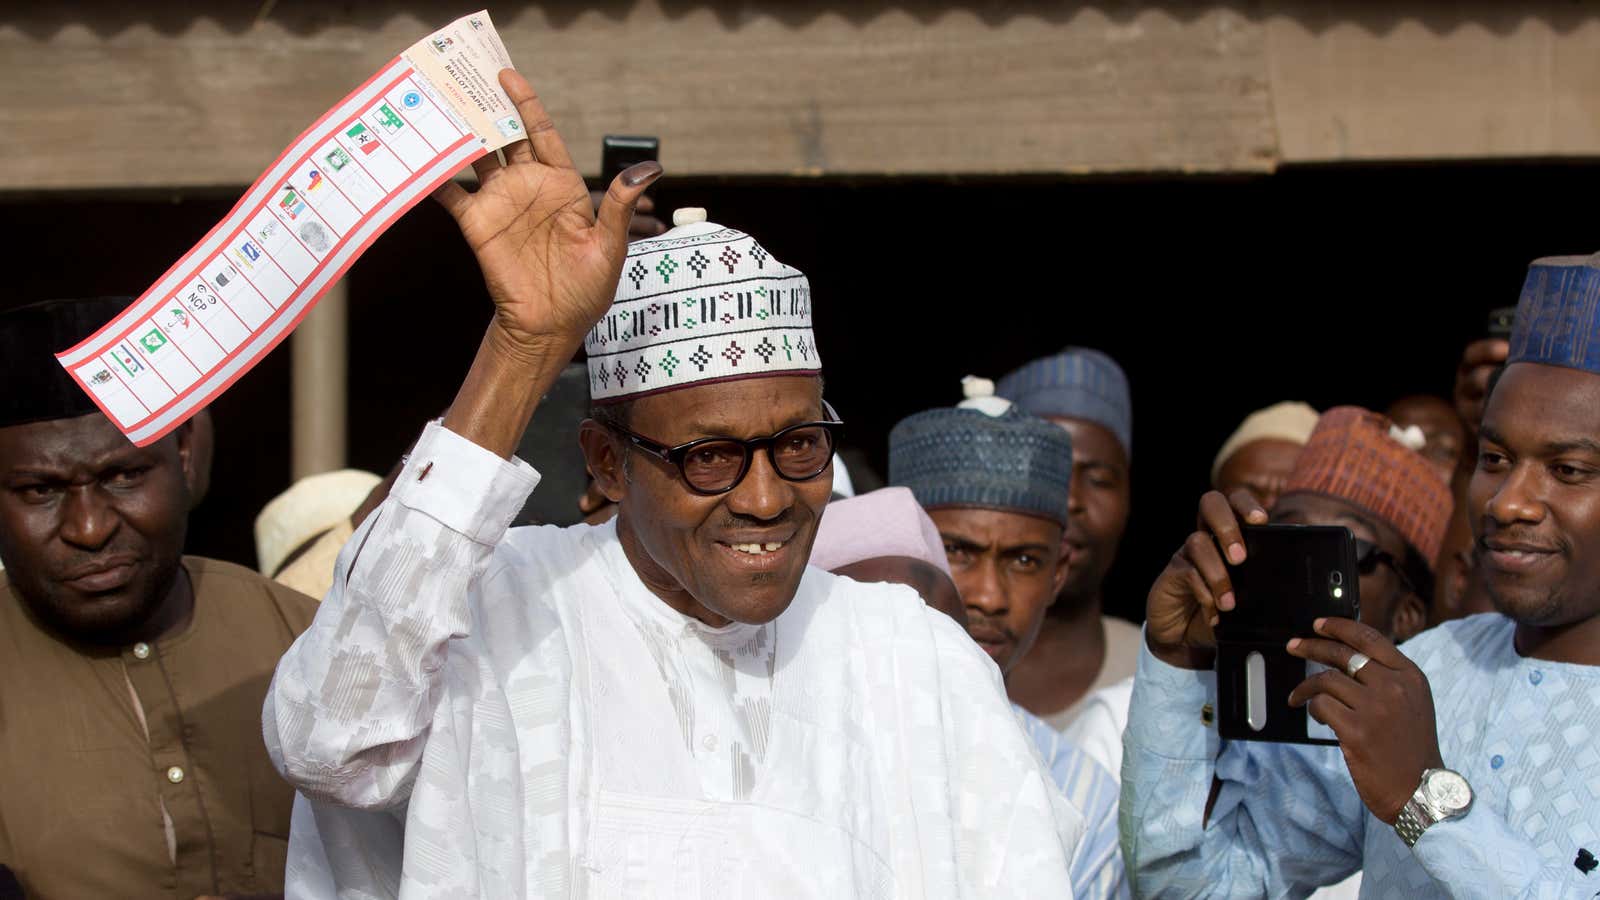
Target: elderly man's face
710, 553
1098, 509
92, 527
1008, 567
1261, 467
1535, 496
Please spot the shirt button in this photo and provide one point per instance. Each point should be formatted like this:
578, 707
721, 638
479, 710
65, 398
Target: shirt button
175, 775
141, 650
1496, 761
709, 742
1535, 676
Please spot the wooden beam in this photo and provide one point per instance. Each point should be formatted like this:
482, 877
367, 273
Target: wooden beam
155, 95
1471, 81
319, 376
763, 88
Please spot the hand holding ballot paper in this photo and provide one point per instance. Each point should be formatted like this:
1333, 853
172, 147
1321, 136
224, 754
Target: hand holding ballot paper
247, 284
551, 264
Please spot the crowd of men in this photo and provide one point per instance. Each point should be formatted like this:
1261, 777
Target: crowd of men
745, 682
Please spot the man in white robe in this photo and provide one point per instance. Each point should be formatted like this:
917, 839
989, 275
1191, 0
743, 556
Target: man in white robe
672, 704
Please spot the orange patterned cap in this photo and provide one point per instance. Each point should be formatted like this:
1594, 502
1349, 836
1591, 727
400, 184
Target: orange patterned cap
1360, 457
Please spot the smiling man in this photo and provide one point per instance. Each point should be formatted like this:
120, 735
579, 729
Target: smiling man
133, 675
673, 703
1468, 766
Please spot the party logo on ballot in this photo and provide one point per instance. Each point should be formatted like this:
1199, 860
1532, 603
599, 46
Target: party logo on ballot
388, 118
291, 204
363, 138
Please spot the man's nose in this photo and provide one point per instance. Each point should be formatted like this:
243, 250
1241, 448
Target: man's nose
1518, 498
983, 591
87, 520
1076, 502
763, 494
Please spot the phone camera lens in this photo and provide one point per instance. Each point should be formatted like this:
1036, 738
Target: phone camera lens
1336, 578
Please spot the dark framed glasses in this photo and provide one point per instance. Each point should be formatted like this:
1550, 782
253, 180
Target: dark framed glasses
715, 465
1369, 556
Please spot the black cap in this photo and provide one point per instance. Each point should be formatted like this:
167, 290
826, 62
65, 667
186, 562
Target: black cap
37, 388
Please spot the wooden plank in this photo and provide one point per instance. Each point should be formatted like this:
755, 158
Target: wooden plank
105, 99
1476, 81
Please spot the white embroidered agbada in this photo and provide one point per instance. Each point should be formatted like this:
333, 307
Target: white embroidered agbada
538, 724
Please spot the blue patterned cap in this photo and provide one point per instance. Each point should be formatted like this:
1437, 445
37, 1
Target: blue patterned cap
1558, 316
1077, 383
970, 457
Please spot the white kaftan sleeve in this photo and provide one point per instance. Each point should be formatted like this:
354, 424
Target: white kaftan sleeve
350, 706
1017, 833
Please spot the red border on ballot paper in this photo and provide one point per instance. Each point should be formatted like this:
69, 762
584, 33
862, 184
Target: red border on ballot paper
242, 197
187, 258
270, 346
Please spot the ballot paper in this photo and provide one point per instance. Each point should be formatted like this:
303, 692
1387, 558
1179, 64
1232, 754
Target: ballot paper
258, 272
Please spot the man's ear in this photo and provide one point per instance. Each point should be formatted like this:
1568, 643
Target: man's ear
1060, 579
187, 462
1410, 618
603, 454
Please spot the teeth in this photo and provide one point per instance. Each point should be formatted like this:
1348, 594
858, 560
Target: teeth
758, 549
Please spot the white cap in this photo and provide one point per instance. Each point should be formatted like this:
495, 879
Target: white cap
1410, 437
309, 507
980, 396
698, 304
688, 215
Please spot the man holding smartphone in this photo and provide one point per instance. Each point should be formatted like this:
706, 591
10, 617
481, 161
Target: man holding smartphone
1468, 758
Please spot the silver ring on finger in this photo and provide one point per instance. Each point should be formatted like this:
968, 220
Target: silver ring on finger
1357, 661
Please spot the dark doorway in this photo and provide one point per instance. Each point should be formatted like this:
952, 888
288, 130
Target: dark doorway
1218, 295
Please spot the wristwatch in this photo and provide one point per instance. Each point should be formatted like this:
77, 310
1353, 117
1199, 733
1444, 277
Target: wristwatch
1443, 794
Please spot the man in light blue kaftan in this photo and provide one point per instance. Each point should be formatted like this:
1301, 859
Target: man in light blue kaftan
1469, 764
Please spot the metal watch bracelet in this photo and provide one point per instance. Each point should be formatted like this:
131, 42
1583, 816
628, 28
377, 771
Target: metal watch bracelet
1412, 822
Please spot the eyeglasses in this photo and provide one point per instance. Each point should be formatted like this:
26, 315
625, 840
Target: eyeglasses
715, 465
1369, 556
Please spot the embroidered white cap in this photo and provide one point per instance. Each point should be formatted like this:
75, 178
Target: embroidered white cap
698, 304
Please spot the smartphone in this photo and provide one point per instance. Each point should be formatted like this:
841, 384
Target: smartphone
1292, 575
618, 152
1500, 322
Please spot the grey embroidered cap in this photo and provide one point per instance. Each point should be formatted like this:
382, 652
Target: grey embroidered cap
984, 453
698, 304
1077, 383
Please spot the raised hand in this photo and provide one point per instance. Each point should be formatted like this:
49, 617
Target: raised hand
551, 263
1478, 362
645, 223
1184, 602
